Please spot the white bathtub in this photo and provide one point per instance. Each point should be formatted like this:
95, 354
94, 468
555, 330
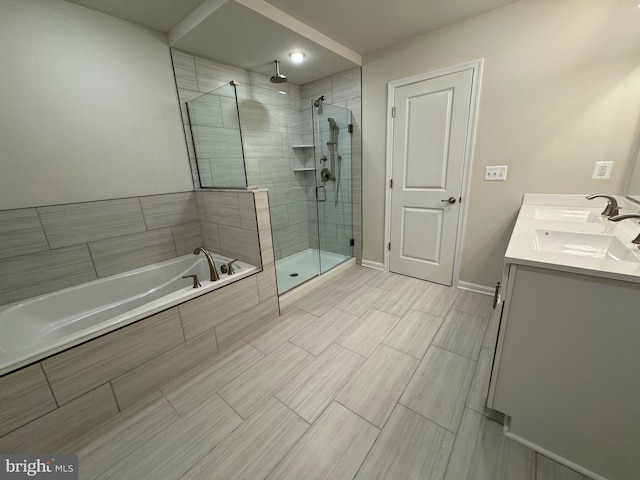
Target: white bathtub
35, 328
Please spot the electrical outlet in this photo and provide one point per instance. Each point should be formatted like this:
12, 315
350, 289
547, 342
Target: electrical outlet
602, 170
495, 173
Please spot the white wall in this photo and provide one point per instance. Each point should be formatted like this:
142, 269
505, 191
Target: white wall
560, 90
88, 107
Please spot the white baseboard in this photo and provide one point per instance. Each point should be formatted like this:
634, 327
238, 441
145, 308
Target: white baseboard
474, 287
374, 265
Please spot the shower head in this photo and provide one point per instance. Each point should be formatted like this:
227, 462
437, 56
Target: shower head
319, 101
278, 77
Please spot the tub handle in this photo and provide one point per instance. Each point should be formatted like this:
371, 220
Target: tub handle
196, 282
228, 267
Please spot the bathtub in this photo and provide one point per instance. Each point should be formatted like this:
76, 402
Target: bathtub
38, 327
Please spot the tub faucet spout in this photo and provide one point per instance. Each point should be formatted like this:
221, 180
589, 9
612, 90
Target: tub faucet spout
212, 266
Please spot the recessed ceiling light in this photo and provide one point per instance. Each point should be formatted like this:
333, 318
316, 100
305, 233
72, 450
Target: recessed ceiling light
296, 57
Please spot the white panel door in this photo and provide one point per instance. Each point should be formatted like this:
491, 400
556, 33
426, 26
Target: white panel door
429, 144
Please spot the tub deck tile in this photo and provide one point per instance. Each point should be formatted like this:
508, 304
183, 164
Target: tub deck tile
116, 439
24, 396
149, 377
84, 367
53, 431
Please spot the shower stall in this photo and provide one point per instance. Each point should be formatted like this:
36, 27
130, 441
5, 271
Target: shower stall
300, 150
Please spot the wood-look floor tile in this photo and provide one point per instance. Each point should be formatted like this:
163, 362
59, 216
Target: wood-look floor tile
333, 448
254, 448
253, 387
462, 333
324, 331
180, 446
188, 392
410, 447
398, 300
376, 387
280, 329
477, 400
323, 299
384, 280
414, 333
361, 299
439, 388
356, 277
116, 439
475, 303
436, 300
368, 332
482, 452
320, 381
547, 469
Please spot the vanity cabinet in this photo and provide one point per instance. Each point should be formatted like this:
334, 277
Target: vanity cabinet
566, 370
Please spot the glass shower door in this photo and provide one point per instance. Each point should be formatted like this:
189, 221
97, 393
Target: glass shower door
332, 142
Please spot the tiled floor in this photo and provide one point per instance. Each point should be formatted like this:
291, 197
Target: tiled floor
373, 376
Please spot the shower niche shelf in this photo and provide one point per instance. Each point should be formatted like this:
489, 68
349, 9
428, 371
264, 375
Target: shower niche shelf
302, 146
304, 169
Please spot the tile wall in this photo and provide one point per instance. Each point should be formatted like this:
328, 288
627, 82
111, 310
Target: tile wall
271, 124
46, 405
49, 248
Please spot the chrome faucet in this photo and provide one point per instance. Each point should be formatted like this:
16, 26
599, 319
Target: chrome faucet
212, 266
612, 208
617, 218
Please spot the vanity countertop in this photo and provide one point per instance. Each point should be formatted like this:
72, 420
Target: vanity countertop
567, 233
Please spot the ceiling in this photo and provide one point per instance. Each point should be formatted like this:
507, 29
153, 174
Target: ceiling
334, 34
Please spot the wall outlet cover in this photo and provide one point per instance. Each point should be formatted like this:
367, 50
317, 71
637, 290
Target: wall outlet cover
602, 170
495, 173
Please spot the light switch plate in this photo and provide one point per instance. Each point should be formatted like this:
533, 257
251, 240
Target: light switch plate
495, 173
602, 170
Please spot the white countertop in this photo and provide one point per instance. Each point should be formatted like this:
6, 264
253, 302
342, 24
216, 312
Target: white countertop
569, 212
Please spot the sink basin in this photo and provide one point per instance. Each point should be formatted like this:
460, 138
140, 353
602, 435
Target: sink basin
592, 245
565, 215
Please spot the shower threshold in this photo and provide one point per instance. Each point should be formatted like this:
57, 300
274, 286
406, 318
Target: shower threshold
300, 267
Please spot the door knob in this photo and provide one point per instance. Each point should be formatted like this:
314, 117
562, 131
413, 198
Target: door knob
450, 200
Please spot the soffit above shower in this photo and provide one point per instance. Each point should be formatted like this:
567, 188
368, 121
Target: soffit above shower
244, 34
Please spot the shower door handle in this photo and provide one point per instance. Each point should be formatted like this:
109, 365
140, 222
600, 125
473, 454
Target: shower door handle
324, 190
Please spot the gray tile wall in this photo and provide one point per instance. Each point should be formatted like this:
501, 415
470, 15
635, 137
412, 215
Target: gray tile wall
271, 124
45, 406
48, 248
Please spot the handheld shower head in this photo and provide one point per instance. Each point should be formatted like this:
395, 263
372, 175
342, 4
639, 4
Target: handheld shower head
278, 77
319, 101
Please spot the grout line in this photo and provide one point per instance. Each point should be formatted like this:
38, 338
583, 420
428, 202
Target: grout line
49, 385
357, 414
290, 409
114, 396
170, 404
44, 232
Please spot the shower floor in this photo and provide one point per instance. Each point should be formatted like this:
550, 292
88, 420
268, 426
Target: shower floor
305, 264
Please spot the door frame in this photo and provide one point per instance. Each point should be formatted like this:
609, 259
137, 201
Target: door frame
476, 67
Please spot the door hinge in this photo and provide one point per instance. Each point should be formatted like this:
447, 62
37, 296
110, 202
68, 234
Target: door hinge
389, 245
350, 128
391, 183
352, 242
393, 112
